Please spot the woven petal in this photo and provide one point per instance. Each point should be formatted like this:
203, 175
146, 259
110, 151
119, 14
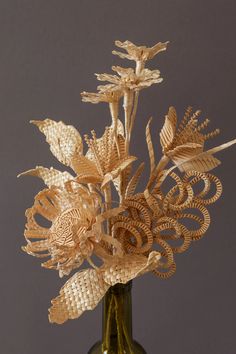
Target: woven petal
114, 79
51, 177
123, 269
138, 52
122, 55
157, 48
81, 292
64, 140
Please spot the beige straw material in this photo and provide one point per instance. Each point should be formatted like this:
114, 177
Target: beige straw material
94, 212
50, 176
64, 140
81, 292
85, 289
121, 270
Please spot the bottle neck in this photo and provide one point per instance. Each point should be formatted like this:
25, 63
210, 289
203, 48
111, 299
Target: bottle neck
117, 314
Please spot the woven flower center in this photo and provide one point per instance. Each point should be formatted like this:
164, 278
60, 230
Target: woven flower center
69, 230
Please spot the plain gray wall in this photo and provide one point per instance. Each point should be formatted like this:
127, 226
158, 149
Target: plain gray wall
49, 52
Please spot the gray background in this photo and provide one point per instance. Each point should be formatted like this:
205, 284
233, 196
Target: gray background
49, 52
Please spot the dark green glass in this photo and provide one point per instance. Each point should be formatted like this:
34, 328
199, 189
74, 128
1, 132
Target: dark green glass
117, 335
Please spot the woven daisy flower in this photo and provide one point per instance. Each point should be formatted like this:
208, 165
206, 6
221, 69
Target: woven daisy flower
139, 53
129, 79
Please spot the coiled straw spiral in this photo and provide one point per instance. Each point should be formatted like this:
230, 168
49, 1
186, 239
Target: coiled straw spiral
154, 220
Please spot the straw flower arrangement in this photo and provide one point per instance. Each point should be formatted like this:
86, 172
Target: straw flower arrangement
144, 230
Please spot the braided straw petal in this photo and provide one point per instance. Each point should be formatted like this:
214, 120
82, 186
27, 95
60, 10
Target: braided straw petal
81, 292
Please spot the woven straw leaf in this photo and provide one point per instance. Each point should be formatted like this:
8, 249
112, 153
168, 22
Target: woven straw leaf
222, 147
134, 180
51, 177
184, 152
123, 269
64, 140
123, 164
150, 146
86, 170
168, 131
202, 163
116, 172
81, 292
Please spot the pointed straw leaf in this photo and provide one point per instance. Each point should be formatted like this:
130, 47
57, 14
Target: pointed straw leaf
117, 171
204, 161
184, 152
64, 140
51, 177
168, 131
86, 170
123, 269
222, 147
150, 146
134, 180
83, 291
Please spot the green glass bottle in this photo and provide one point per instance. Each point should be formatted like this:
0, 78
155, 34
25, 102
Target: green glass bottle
117, 323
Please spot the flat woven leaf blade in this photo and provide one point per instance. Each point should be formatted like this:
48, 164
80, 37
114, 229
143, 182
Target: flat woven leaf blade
202, 163
50, 176
81, 292
64, 140
134, 180
123, 269
86, 170
113, 175
168, 131
150, 146
184, 152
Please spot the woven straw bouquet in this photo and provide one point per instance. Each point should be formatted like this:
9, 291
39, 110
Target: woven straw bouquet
140, 232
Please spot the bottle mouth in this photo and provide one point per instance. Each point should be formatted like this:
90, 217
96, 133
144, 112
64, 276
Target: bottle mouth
121, 288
